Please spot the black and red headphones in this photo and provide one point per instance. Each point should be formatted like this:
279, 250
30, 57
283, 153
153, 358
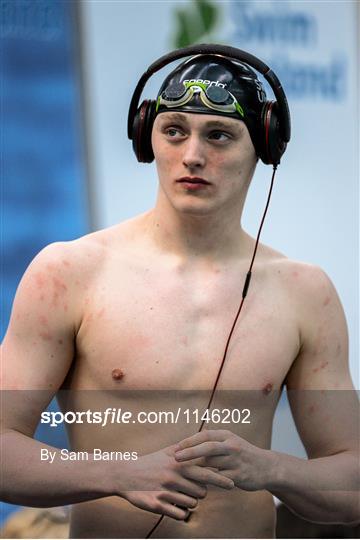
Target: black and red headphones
275, 125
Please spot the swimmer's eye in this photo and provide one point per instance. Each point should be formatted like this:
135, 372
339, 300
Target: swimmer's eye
174, 132
220, 136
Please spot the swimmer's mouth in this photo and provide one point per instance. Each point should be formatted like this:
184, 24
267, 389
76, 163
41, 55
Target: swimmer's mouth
193, 180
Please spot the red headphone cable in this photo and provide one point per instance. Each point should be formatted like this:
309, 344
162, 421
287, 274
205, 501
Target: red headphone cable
244, 293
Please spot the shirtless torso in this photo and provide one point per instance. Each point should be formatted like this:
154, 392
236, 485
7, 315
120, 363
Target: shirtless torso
164, 325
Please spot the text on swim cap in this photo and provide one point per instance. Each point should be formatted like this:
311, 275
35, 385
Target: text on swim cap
205, 81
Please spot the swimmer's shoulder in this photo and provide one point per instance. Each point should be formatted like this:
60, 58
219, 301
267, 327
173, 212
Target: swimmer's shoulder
71, 259
62, 274
306, 284
60, 268
85, 256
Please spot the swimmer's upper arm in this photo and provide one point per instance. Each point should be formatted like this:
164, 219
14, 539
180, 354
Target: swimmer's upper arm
320, 390
38, 348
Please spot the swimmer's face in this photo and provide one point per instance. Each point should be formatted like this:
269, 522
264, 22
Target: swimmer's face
214, 148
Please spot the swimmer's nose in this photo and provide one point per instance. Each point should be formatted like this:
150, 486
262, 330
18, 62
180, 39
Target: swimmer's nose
193, 156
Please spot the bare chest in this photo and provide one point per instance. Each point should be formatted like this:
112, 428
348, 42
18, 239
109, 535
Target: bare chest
146, 329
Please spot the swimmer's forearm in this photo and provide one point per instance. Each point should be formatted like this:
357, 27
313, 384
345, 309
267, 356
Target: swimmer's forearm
323, 490
28, 481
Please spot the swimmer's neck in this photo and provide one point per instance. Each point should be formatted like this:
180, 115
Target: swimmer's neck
211, 238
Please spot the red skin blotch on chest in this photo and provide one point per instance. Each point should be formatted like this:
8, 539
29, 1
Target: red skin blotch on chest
267, 389
117, 374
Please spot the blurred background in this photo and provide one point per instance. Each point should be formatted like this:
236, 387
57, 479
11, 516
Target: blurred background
68, 70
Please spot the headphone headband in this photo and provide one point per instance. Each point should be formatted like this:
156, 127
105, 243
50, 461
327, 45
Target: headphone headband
224, 50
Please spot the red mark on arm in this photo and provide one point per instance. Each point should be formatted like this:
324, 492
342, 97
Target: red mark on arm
59, 289
40, 280
322, 366
46, 336
326, 301
44, 333
311, 409
117, 374
59, 285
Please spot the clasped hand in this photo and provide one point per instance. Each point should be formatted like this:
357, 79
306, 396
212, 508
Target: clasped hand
158, 483
247, 465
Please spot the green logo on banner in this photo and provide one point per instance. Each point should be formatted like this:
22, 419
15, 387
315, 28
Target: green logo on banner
195, 23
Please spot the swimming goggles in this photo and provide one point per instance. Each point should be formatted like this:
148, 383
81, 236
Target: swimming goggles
214, 97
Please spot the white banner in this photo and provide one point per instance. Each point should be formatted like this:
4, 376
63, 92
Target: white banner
312, 47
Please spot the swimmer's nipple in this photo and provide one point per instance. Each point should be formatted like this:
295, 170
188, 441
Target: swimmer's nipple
117, 374
267, 389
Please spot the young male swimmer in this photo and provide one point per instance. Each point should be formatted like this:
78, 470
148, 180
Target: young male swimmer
136, 317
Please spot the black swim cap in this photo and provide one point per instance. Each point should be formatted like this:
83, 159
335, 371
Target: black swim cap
220, 71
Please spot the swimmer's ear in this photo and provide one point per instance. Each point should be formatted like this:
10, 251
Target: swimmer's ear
141, 133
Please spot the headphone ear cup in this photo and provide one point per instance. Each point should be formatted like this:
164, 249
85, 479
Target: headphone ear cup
142, 128
273, 145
